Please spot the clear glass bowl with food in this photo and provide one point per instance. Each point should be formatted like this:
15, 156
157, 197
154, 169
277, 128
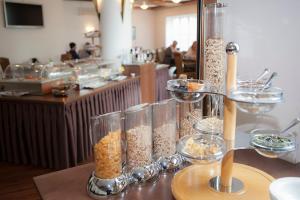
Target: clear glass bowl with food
188, 90
256, 101
212, 125
270, 143
201, 148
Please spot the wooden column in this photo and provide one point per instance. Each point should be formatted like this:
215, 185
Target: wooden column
147, 73
229, 115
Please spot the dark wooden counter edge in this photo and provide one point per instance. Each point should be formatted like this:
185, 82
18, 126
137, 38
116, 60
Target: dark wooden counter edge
76, 95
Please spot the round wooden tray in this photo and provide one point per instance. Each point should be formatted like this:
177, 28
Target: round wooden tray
192, 183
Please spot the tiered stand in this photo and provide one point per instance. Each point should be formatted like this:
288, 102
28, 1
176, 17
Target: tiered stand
225, 180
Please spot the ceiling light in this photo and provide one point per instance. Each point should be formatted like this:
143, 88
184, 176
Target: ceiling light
176, 1
131, 1
144, 6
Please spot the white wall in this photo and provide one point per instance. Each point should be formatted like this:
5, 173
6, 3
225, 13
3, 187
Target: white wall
150, 24
144, 21
64, 22
268, 34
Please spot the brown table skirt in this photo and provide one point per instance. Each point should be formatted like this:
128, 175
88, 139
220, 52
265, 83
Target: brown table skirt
162, 77
57, 135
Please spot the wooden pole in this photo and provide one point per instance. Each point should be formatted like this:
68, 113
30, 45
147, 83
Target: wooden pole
229, 115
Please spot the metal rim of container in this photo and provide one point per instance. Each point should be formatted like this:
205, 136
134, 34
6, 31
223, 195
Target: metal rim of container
137, 108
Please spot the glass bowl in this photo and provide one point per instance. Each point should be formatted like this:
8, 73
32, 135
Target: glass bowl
201, 149
256, 101
210, 125
251, 84
187, 90
269, 143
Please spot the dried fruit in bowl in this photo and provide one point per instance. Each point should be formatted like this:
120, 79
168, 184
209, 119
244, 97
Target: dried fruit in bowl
193, 86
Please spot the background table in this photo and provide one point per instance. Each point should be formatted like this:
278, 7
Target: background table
71, 183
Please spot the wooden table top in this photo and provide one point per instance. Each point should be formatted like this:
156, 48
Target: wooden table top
75, 95
71, 183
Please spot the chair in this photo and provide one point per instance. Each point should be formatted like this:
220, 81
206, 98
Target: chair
180, 68
65, 57
4, 62
160, 55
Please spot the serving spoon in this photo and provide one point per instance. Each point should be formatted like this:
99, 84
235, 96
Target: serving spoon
291, 125
263, 74
267, 83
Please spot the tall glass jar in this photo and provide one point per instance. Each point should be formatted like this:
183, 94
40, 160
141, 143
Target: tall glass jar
164, 128
189, 114
107, 141
214, 54
138, 125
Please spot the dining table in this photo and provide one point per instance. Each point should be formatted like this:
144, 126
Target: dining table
71, 183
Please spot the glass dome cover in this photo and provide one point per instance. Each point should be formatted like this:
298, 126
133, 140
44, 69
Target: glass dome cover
24, 72
60, 71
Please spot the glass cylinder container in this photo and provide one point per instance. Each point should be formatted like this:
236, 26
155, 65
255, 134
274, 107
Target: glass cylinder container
107, 144
214, 54
189, 115
164, 128
214, 50
138, 125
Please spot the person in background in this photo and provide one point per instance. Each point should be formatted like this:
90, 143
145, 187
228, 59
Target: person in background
169, 54
191, 54
72, 51
34, 61
85, 52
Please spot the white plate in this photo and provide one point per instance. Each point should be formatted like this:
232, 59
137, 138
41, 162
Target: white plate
285, 189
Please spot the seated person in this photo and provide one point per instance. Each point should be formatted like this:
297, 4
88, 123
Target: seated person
191, 54
169, 54
72, 51
85, 52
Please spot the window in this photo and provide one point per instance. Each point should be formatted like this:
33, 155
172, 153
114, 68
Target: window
183, 29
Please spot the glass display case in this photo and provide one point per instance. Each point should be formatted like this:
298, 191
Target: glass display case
92, 72
35, 79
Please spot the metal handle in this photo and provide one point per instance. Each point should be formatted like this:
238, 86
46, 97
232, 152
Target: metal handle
292, 124
265, 72
273, 75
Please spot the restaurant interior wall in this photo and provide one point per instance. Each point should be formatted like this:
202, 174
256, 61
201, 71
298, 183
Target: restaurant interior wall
268, 34
145, 25
150, 24
64, 21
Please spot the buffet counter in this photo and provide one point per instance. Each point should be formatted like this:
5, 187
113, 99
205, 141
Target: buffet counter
74, 180
54, 132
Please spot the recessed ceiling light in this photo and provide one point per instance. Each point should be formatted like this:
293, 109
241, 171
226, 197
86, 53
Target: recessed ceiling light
176, 1
144, 6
